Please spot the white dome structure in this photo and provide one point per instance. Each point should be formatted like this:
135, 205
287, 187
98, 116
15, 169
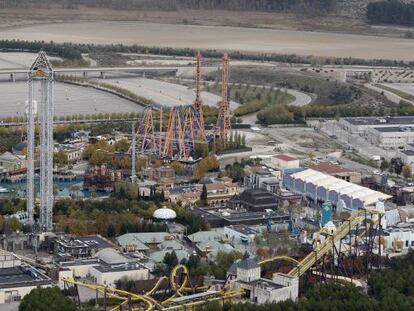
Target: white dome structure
164, 214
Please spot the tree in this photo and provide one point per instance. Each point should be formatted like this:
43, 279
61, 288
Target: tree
60, 158
177, 167
203, 196
111, 231
46, 299
170, 260
14, 224
384, 165
396, 165
406, 171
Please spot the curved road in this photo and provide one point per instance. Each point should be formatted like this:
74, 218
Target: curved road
301, 99
171, 94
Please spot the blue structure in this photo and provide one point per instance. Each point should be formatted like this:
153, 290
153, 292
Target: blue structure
326, 213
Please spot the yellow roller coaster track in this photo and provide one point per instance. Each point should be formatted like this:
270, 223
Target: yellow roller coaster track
147, 303
150, 303
325, 246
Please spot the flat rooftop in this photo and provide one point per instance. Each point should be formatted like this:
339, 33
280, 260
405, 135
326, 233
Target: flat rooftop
117, 268
21, 276
392, 129
406, 120
264, 283
243, 229
408, 152
92, 241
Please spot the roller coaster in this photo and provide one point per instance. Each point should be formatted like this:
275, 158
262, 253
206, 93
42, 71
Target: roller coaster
184, 294
362, 227
370, 222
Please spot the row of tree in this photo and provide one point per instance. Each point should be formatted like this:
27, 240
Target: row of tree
302, 6
391, 12
286, 114
74, 51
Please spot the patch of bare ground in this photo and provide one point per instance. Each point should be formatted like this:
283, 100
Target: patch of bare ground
10, 18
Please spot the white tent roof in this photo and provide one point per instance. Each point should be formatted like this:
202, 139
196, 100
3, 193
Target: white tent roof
342, 187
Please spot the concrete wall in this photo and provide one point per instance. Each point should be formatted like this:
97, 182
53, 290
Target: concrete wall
406, 237
249, 274
20, 291
64, 274
109, 278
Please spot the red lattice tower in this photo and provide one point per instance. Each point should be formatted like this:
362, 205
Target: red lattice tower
198, 103
223, 121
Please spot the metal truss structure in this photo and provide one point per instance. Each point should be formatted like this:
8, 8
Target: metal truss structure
223, 126
169, 132
178, 287
198, 103
133, 153
41, 71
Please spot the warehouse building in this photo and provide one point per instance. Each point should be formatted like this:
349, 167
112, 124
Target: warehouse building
393, 137
322, 187
358, 125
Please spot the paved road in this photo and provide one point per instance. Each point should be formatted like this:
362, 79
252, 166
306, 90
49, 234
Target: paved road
389, 95
301, 99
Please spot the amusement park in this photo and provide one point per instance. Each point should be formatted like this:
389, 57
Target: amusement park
190, 155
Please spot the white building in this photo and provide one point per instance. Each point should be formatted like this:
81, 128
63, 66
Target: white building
390, 137
105, 268
240, 234
358, 125
18, 279
245, 274
283, 161
400, 237
322, 187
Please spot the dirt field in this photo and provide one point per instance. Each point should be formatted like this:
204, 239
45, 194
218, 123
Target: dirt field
273, 20
221, 38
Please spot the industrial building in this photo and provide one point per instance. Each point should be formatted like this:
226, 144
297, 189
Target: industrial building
246, 274
358, 125
322, 187
392, 137
18, 279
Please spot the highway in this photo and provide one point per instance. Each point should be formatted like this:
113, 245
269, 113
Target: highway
95, 69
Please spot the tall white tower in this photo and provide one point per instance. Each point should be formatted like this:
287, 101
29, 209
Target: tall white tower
41, 71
